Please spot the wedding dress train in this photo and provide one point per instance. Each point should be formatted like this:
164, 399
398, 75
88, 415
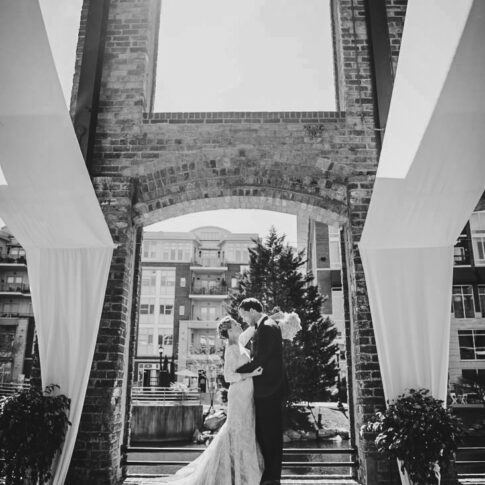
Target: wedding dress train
233, 457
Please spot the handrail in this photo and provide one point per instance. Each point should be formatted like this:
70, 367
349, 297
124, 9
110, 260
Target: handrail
9, 388
163, 394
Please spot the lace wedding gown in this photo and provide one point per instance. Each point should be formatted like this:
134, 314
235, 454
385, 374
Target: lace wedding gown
233, 457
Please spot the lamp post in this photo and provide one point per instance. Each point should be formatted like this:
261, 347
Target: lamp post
160, 354
340, 406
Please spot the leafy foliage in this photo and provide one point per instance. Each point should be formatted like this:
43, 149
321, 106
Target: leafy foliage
275, 278
418, 430
33, 425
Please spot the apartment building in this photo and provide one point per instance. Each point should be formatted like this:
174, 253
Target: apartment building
467, 339
16, 316
324, 260
186, 279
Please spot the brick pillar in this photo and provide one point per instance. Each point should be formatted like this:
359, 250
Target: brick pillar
126, 93
98, 451
357, 99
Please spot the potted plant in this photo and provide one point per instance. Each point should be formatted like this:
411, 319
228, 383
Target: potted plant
33, 425
419, 432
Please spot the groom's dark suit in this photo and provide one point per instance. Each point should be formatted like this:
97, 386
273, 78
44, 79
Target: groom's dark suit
269, 391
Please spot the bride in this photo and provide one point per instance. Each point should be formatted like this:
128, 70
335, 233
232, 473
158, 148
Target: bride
233, 457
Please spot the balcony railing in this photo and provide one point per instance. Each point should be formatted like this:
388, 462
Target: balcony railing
9, 388
209, 262
9, 260
16, 314
164, 395
213, 290
15, 288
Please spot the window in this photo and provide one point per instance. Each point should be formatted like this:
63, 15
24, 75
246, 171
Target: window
168, 340
474, 375
463, 302
167, 281
166, 309
150, 249
334, 247
481, 298
183, 282
148, 282
146, 309
145, 341
477, 227
181, 310
234, 283
472, 344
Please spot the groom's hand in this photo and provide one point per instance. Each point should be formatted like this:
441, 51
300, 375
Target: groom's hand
257, 372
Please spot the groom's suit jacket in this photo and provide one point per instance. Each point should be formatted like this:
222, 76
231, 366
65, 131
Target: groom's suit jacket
267, 352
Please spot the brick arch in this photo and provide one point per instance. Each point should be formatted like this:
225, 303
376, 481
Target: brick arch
261, 198
311, 209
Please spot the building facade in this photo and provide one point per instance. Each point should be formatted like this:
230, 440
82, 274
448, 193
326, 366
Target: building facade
16, 315
467, 339
324, 260
186, 279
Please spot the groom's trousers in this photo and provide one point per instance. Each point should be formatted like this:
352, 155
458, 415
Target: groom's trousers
269, 433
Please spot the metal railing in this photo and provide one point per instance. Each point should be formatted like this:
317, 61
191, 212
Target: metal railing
209, 262
15, 287
9, 388
10, 260
214, 290
163, 395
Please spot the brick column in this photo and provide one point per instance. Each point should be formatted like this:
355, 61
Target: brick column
126, 92
98, 451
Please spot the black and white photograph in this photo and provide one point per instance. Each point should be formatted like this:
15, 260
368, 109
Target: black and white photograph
242, 242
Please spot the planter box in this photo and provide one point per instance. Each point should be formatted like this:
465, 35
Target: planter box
175, 422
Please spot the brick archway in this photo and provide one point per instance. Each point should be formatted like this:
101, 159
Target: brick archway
149, 166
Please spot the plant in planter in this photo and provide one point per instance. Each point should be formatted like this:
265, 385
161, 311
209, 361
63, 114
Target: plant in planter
418, 431
33, 425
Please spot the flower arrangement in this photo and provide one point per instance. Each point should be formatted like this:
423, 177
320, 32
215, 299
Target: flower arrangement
289, 323
33, 425
417, 430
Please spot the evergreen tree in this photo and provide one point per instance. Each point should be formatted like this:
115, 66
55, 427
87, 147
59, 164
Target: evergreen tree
275, 278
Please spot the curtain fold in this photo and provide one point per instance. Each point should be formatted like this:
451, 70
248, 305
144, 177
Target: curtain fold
51, 208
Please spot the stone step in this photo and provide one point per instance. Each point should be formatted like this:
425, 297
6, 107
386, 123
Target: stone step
152, 480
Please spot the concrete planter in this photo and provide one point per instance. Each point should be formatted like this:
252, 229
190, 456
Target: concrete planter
177, 422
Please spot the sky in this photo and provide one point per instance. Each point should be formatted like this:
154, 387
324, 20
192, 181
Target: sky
245, 55
225, 55
234, 220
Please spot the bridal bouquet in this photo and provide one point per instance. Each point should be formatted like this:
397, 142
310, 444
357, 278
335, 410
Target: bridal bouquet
290, 325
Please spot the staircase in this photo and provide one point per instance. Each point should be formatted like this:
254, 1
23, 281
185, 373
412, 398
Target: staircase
301, 466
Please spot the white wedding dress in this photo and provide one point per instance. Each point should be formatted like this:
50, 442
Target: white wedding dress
233, 457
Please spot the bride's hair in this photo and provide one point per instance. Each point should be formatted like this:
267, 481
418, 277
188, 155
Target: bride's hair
224, 325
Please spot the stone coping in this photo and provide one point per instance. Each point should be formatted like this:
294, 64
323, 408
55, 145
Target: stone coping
244, 117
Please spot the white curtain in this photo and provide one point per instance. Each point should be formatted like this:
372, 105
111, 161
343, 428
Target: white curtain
431, 175
50, 206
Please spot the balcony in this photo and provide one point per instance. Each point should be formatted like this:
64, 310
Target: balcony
205, 264
213, 292
461, 254
15, 315
8, 261
19, 289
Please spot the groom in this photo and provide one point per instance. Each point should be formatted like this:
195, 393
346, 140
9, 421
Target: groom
270, 388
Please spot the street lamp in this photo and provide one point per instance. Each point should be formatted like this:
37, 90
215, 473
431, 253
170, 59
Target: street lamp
340, 406
160, 354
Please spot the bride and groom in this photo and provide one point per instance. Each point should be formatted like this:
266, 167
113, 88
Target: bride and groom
248, 449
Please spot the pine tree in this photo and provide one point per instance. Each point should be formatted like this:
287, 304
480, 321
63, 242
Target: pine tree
275, 278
